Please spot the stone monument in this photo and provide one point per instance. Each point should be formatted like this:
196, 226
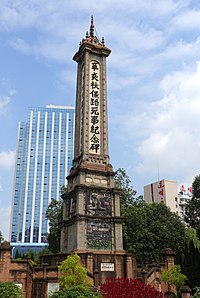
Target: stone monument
92, 225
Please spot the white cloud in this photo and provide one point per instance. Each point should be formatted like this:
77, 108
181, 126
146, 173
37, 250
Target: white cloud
188, 20
47, 49
7, 159
149, 39
172, 129
138, 35
22, 13
5, 100
18, 14
56, 22
20, 45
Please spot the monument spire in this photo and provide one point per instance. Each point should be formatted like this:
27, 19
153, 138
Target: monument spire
92, 27
91, 125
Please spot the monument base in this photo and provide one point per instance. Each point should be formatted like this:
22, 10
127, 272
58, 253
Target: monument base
107, 264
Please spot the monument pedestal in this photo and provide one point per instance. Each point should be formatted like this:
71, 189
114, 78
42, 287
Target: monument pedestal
102, 265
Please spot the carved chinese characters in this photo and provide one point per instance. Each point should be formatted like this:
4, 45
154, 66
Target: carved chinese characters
94, 108
161, 190
99, 234
82, 103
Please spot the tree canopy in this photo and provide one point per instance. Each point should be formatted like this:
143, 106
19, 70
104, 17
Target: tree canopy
54, 215
192, 211
190, 258
74, 274
74, 281
149, 228
173, 276
123, 182
10, 290
196, 187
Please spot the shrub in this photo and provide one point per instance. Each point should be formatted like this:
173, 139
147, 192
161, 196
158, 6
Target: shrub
129, 288
75, 293
74, 274
173, 276
10, 290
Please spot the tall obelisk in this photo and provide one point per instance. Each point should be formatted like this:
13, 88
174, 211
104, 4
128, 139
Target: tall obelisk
91, 216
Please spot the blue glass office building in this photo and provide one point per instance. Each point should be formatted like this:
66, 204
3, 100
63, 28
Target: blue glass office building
43, 160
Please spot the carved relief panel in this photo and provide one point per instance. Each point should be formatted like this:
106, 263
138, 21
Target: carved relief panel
98, 230
98, 203
99, 234
72, 206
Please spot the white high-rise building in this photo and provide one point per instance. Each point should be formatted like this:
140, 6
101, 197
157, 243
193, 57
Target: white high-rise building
43, 159
182, 199
166, 191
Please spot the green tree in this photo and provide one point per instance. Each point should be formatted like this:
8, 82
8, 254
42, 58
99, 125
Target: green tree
45, 251
149, 228
74, 274
196, 187
123, 182
10, 290
31, 254
191, 235
173, 276
197, 292
189, 259
192, 212
54, 215
74, 280
18, 255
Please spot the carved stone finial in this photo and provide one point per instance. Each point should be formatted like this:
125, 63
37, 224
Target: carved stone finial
87, 34
92, 27
103, 43
5, 245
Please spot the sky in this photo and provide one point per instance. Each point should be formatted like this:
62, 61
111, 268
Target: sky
153, 81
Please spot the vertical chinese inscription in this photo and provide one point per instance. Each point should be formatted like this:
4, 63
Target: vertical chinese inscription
82, 106
94, 108
99, 234
161, 190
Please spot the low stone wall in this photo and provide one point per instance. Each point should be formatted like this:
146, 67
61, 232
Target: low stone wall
38, 280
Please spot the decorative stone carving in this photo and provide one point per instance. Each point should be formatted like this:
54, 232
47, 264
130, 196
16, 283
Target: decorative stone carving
72, 206
98, 203
99, 234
